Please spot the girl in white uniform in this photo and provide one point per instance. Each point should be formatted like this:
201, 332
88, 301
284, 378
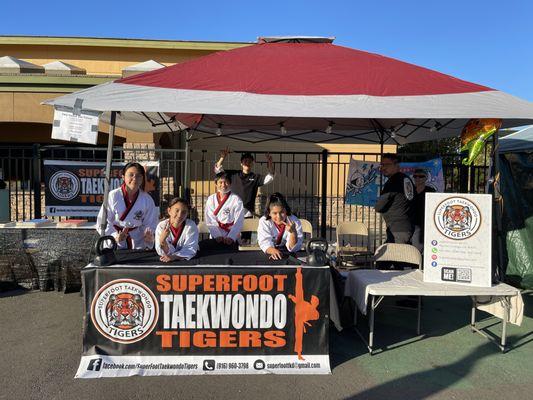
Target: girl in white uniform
278, 229
176, 238
224, 212
131, 213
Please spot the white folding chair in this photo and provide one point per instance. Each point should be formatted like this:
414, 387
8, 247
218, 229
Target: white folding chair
250, 225
306, 227
396, 252
352, 256
202, 227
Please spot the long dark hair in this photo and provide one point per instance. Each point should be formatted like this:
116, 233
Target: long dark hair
177, 200
139, 167
277, 199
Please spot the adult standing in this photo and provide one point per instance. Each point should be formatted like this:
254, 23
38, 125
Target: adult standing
132, 216
420, 177
395, 201
245, 182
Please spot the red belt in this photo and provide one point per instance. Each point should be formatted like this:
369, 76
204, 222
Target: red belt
225, 226
128, 238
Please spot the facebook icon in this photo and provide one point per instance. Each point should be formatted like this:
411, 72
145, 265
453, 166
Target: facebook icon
95, 364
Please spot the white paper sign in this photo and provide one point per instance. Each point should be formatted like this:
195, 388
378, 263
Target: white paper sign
82, 128
457, 239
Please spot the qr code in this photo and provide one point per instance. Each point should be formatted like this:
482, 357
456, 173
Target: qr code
464, 275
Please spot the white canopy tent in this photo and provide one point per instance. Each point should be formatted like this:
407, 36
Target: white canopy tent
297, 89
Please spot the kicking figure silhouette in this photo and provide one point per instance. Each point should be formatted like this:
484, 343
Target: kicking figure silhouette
304, 311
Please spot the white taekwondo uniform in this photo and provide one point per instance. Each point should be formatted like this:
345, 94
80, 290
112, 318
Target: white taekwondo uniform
182, 241
224, 215
135, 217
271, 235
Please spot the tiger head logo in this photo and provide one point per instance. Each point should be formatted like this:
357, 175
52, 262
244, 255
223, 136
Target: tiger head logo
125, 311
64, 184
457, 217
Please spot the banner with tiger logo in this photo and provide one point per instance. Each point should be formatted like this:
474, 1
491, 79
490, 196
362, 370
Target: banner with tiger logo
76, 188
458, 239
205, 320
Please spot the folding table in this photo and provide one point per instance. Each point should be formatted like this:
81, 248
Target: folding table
369, 287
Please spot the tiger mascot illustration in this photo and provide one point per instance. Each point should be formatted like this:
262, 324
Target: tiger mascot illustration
125, 310
64, 185
457, 218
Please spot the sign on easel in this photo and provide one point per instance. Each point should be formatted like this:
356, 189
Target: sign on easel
457, 239
79, 127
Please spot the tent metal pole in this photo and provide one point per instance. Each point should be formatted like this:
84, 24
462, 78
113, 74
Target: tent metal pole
186, 178
324, 188
381, 149
107, 180
497, 212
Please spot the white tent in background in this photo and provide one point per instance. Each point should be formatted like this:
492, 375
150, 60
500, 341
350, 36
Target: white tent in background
12, 65
62, 68
146, 66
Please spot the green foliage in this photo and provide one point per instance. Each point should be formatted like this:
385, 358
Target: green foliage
432, 148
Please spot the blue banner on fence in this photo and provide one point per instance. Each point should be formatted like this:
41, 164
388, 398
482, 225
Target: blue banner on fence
363, 181
433, 170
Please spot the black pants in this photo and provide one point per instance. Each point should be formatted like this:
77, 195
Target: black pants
418, 238
403, 237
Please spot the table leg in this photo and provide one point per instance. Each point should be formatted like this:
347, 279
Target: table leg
371, 324
419, 315
473, 317
506, 306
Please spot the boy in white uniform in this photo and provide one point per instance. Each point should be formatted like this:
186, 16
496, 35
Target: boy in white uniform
176, 238
278, 229
224, 213
131, 213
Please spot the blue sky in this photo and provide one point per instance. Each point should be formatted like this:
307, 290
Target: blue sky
487, 42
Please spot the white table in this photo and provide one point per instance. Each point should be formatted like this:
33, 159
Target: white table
369, 287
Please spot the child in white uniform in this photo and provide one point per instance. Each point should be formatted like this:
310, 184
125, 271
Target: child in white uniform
278, 229
131, 213
224, 213
176, 238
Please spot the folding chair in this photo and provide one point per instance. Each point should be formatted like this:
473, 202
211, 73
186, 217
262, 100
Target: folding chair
202, 228
403, 253
396, 252
250, 225
353, 256
306, 227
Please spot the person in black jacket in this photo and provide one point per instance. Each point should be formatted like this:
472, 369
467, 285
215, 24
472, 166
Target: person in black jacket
395, 201
420, 177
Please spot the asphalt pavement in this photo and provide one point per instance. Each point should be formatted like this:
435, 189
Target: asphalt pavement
41, 336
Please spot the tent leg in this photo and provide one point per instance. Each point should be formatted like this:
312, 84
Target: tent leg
381, 150
186, 178
324, 188
107, 180
496, 195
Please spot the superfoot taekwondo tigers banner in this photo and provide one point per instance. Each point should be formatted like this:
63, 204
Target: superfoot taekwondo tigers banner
76, 188
205, 320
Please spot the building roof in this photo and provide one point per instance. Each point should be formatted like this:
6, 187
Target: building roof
116, 42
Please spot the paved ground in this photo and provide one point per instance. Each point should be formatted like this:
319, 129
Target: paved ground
40, 336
